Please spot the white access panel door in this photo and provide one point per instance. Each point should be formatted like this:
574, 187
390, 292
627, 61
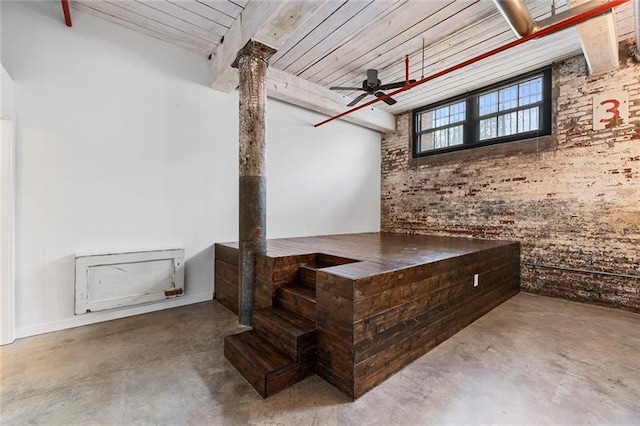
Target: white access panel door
114, 280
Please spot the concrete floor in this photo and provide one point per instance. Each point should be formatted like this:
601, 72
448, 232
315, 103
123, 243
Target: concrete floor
532, 360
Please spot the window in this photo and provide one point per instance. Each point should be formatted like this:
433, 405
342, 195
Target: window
516, 109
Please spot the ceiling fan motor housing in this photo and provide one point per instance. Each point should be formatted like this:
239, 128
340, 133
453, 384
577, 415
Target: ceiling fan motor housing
372, 80
373, 86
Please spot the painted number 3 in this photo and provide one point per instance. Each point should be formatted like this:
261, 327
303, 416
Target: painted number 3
615, 114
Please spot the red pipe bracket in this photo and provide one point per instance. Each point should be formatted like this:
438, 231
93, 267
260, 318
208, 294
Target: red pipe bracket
551, 29
66, 11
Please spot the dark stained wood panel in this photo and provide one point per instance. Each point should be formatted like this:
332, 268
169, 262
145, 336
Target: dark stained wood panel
307, 276
389, 360
298, 299
226, 284
226, 253
291, 333
428, 303
375, 252
263, 365
377, 301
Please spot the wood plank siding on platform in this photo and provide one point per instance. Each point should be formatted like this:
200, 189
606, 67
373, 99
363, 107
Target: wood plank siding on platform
388, 300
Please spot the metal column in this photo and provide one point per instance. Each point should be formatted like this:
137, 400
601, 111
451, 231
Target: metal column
252, 68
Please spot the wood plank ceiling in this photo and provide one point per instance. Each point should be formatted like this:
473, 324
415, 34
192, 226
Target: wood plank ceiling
345, 37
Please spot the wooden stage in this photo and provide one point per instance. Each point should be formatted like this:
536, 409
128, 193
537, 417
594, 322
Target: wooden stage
356, 308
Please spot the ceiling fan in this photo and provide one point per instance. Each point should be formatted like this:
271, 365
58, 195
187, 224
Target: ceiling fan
373, 86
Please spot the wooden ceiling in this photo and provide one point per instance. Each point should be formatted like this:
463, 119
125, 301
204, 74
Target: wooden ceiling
345, 37
196, 25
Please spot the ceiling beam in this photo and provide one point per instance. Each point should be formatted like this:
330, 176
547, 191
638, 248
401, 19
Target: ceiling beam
599, 40
268, 22
298, 91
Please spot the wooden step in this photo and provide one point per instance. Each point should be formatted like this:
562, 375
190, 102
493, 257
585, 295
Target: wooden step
289, 332
298, 299
307, 275
265, 367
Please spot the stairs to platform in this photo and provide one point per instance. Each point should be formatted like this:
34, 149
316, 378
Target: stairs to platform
299, 299
281, 349
307, 276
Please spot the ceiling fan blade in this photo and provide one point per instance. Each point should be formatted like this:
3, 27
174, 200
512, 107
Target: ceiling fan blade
388, 101
344, 88
356, 100
395, 85
372, 77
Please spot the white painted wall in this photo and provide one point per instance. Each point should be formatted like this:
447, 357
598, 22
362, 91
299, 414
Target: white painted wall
122, 146
319, 180
7, 110
7, 207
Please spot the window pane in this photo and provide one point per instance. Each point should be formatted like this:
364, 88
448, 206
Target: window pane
440, 139
456, 136
426, 120
524, 120
535, 119
530, 92
528, 120
426, 142
507, 124
508, 98
489, 128
457, 112
508, 112
488, 103
443, 116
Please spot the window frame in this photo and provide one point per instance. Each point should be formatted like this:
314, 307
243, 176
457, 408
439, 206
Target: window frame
471, 123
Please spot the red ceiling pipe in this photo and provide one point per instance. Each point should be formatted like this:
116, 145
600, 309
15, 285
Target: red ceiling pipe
406, 70
66, 11
551, 29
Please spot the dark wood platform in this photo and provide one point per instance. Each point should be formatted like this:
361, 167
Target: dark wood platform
356, 308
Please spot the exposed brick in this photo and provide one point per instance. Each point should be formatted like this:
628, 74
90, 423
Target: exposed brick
575, 207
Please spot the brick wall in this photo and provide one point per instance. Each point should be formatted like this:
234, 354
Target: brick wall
572, 200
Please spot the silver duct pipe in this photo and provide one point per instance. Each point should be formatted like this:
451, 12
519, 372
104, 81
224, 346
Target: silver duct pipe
518, 17
637, 11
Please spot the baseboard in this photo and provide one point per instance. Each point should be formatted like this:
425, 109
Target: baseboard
96, 317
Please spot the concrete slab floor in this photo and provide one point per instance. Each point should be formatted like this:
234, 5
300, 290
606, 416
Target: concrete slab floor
532, 360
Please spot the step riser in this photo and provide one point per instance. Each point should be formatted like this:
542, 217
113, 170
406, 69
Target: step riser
266, 329
289, 332
267, 383
307, 277
289, 377
255, 378
300, 349
299, 305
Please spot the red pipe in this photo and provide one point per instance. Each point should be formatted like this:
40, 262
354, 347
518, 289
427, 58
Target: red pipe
406, 70
67, 12
551, 29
